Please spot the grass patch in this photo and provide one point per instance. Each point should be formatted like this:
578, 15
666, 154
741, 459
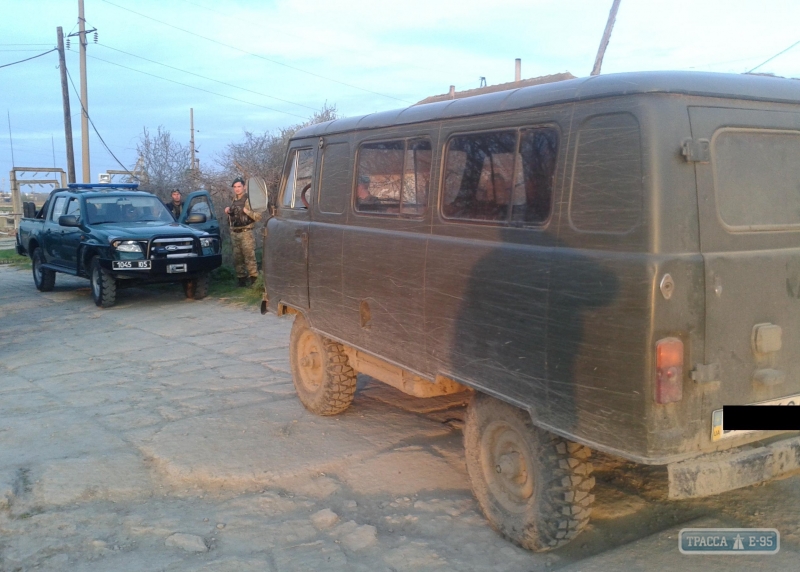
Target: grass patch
9, 256
223, 286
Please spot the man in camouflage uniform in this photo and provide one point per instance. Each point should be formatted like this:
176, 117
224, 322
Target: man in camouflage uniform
242, 219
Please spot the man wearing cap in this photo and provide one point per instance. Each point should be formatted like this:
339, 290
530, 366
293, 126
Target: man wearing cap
175, 207
242, 219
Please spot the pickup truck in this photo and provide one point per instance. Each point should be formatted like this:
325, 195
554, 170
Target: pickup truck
117, 236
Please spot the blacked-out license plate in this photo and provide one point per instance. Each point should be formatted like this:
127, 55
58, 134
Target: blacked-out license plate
130, 265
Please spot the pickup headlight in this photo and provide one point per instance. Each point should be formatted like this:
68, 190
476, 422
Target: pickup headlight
206, 242
127, 246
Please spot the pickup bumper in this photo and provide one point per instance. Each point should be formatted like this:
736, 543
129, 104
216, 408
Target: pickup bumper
159, 268
727, 470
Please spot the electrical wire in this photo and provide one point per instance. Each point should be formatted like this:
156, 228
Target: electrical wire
254, 54
206, 78
30, 58
198, 88
773, 57
110, 152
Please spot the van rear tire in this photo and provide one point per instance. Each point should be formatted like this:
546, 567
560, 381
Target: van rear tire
533, 487
321, 372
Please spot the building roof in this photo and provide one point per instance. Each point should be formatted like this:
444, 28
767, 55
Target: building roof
736, 86
498, 87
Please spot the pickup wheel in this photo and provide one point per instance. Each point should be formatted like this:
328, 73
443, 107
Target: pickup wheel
533, 486
104, 286
321, 372
43, 278
196, 288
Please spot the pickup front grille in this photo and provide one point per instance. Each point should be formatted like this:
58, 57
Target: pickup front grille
173, 247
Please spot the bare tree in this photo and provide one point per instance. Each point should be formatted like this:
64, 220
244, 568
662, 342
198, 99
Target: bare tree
166, 162
262, 154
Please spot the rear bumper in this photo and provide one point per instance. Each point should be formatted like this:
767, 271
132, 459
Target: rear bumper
724, 471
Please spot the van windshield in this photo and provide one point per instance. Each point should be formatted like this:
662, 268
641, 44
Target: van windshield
100, 210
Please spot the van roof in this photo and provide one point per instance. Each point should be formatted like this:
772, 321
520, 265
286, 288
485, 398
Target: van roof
736, 86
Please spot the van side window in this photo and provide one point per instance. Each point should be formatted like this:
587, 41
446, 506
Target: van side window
607, 175
393, 177
301, 171
501, 176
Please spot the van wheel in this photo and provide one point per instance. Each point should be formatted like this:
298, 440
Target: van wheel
196, 288
43, 278
534, 487
322, 375
104, 287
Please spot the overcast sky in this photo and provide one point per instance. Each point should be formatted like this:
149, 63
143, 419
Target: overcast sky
260, 65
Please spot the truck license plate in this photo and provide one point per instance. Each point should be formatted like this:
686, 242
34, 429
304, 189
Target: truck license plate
130, 265
716, 418
176, 268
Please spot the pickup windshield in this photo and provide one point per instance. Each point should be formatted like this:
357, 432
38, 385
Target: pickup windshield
100, 210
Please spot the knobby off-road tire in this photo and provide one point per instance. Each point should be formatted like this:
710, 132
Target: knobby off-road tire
43, 278
104, 286
321, 373
196, 288
534, 487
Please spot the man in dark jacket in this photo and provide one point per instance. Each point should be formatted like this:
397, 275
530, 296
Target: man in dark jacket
175, 207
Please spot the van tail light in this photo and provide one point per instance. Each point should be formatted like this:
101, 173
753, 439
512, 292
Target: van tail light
669, 370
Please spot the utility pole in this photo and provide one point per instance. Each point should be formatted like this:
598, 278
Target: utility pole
62, 64
87, 177
601, 51
191, 141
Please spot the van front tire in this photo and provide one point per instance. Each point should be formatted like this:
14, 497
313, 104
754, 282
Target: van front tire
533, 487
321, 372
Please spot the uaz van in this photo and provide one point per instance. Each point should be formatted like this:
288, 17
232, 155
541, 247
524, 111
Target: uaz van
604, 262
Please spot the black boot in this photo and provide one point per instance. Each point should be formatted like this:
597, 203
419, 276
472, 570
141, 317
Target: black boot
241, 282
251, 280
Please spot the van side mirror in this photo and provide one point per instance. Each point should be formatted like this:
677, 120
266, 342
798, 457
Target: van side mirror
68, 220
196, 218
258, 194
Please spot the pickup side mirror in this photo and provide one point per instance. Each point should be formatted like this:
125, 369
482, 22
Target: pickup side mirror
196, 218
68, 220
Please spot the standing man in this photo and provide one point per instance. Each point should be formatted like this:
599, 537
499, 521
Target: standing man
242, 220
175, 207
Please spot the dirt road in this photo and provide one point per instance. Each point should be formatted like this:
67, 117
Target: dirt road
164, 434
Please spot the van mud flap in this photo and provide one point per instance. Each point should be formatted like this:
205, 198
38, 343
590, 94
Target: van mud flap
728, 470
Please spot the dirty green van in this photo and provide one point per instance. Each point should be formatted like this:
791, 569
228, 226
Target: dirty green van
604, 263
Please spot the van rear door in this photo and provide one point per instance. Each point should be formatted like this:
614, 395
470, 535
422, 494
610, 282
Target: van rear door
747, 164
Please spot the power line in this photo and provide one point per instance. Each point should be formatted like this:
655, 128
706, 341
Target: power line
28, 59
254, 54
773, 57
198, 88
110, 152
207, 78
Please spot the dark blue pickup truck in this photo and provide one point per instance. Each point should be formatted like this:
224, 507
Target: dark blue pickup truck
116, 235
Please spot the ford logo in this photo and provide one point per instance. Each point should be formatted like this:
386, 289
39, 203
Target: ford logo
171, 247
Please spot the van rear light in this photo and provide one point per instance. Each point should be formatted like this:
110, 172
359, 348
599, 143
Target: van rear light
669, 370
